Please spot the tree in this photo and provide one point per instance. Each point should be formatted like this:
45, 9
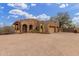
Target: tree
63, 18
8, 30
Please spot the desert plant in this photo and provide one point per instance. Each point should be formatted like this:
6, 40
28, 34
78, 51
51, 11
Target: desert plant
6, 30
9, 29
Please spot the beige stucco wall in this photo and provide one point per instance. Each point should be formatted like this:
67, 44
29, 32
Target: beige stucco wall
35, 23
52, 27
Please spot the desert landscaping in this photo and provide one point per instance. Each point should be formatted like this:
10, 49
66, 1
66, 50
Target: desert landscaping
36, 44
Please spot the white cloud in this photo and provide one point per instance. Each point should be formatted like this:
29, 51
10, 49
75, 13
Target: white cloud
18, 5
12, 16
33, 4
27, 15
49, 4
1, 7
63, 5
1, 24
15, 16
22, 13
16, 11
77, 13
60, 5
43, 17
76, 20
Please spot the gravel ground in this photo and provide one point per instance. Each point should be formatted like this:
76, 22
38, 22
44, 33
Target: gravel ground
35, 44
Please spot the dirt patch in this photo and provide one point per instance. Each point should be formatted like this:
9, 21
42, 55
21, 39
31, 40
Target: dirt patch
39, 44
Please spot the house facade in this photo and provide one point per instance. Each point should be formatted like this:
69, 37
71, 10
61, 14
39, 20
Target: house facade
33, 25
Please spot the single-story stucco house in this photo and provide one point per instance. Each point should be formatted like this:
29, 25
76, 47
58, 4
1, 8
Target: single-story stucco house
30, 25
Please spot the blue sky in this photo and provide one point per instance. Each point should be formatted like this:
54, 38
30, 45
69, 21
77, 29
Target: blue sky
10, 12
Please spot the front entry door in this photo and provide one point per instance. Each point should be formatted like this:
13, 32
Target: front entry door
24, 28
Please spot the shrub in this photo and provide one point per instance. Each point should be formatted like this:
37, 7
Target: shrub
6, 30
35, 31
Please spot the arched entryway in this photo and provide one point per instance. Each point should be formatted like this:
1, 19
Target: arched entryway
24, 28
30, 27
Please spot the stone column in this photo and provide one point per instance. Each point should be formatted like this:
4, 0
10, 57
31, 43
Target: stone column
27, 28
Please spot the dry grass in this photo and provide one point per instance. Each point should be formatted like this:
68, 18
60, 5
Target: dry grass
39, 44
